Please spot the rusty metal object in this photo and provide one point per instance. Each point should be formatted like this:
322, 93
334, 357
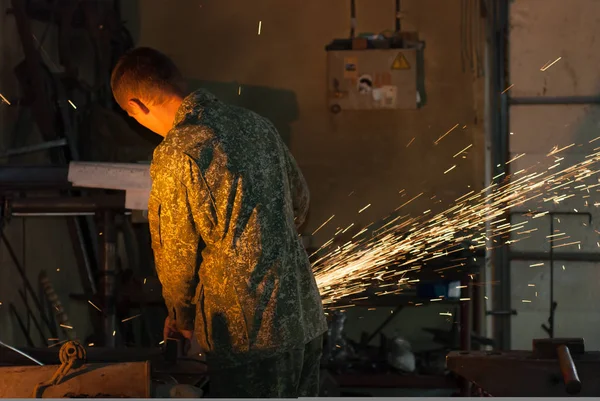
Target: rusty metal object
121, 380
556, 367
561, 349
72, 355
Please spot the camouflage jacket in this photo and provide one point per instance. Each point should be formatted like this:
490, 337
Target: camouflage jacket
226, 200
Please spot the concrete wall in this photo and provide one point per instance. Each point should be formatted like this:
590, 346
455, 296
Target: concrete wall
282, 73
534, 42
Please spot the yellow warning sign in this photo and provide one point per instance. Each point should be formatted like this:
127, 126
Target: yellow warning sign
400, 63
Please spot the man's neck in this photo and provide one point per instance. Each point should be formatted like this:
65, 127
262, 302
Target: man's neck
170, 110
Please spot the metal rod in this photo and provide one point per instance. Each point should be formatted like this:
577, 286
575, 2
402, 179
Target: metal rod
35, 148
33, 318
466, 315
73, 204
28, 286
108, 279
21, 353
499, 115
32, 177
551, 318
562, 256
14, 312
553, 100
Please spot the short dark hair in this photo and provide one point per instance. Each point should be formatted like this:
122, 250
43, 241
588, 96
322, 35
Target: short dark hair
146, 74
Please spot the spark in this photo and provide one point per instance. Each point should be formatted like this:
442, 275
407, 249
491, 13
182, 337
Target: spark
323, 225
130, 318
555, 150
72, 104
364, 208
259, 27
411, 141
5, 100
549, 64
450, 169
447, 132
114, 333
239, 90
389, 259
462, 150
507, 89
99, 310
515, 158
64, 326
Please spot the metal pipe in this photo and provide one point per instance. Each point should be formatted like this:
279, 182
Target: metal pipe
466, 315
85, 205
35, 148
32, 177
499, 26
555, 100
108, 279
486, 296
561, 256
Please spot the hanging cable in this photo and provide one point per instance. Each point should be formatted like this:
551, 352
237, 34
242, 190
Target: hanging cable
352, 18
398, 11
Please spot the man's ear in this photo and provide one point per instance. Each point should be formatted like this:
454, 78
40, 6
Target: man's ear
138, 106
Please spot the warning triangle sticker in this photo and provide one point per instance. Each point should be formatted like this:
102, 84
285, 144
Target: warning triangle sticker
400, 63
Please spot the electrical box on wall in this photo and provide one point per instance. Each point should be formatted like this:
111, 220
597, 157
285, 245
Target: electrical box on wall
372, 79
375, 71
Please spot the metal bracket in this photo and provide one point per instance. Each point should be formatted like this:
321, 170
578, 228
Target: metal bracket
72, 354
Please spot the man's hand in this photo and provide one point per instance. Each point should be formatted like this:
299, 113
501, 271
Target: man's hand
171, 328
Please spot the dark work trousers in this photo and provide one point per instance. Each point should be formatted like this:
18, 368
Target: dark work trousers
290, 374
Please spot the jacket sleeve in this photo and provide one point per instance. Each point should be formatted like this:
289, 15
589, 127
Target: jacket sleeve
299, 188
177, 246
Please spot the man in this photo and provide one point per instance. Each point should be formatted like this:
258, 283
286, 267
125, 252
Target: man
227, 199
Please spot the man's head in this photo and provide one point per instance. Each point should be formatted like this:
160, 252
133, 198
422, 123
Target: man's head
149, 87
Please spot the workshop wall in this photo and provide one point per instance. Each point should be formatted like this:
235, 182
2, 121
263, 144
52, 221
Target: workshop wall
535, 130
282, 75
350, 160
